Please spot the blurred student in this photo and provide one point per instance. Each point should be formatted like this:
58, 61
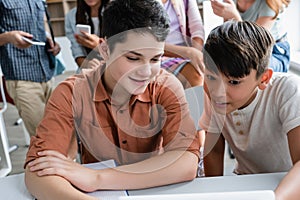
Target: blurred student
87, 12
128, 110
267, 13
248, 105
26, 67
183, 48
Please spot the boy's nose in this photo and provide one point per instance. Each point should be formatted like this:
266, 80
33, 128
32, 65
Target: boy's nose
145, 70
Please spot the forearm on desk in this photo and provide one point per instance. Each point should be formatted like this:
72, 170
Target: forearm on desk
288, 188
52, 187
170, 167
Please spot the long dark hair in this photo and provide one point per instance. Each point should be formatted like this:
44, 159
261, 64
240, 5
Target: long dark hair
83, 15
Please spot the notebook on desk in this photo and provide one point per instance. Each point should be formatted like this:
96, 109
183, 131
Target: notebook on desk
239, 195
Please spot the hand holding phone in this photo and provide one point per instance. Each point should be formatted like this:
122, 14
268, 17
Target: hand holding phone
33, 41
83, 28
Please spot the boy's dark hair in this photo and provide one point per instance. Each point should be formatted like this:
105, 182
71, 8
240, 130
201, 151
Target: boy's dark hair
121, 16
234, 48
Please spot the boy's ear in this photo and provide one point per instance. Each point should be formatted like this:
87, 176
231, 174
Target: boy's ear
103, 49
265, 79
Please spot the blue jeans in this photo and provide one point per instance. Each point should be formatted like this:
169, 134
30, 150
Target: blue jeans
280, 59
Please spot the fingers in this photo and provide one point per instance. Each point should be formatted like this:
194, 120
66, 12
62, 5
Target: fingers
25, 34
50, 41
52, 153
50, 162
88, 40
55, 50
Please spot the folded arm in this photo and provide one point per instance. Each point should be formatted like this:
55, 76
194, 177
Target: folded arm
53, 170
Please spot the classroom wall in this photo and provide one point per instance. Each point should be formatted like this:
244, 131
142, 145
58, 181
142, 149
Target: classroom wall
66, 53
292, 22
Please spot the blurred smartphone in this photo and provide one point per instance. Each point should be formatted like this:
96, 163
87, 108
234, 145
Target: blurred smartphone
83, 28
33, 41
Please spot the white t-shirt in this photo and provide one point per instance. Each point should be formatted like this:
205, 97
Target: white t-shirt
95, 21
257, 134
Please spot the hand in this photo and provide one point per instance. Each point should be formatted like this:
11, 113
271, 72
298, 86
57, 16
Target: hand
226, 9
87, 40
54, 163
15, 37
54, 48
196, 57
94, 63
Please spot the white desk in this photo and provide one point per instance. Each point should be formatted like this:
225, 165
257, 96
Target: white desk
218, 184
13, 187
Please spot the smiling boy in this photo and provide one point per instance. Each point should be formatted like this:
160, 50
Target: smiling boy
128, 110
249, 106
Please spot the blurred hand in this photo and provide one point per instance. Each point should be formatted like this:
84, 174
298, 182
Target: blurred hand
87, 40
196, 57
226, 9
94, 63
54, 48
15, 37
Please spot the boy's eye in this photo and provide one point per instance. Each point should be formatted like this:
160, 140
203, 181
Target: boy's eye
234, 82
132, 58
156, 59
209, 77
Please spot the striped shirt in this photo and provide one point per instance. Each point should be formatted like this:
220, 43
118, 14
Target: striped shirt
30, 64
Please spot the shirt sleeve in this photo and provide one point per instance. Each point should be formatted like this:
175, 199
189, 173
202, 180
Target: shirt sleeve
288, 103
266, 11
178, 132
70, 29
194, 20
56, 129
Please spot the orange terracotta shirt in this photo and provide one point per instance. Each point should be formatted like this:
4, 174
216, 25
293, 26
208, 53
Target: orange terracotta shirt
157, 120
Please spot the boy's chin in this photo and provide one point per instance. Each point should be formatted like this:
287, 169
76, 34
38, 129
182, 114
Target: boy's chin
139, 90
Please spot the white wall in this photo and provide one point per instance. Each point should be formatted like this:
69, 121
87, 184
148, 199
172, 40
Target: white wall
66, 53
292, 22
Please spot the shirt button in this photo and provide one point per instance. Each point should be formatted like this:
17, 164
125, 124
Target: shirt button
124, 142
238, 123
241, 132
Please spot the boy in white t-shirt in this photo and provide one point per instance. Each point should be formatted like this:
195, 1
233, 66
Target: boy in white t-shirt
255, 111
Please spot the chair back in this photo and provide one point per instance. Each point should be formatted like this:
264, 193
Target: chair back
5, 162
195, 98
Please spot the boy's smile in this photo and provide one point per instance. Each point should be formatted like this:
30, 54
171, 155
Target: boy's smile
133, 64
229, 94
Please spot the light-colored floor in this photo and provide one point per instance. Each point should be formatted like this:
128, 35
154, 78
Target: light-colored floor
16, 136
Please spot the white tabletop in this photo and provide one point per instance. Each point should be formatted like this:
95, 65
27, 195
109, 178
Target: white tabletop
218, 184
13, 187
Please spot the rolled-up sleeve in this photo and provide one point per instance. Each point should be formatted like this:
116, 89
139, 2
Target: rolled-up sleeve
56, 129
178, 132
